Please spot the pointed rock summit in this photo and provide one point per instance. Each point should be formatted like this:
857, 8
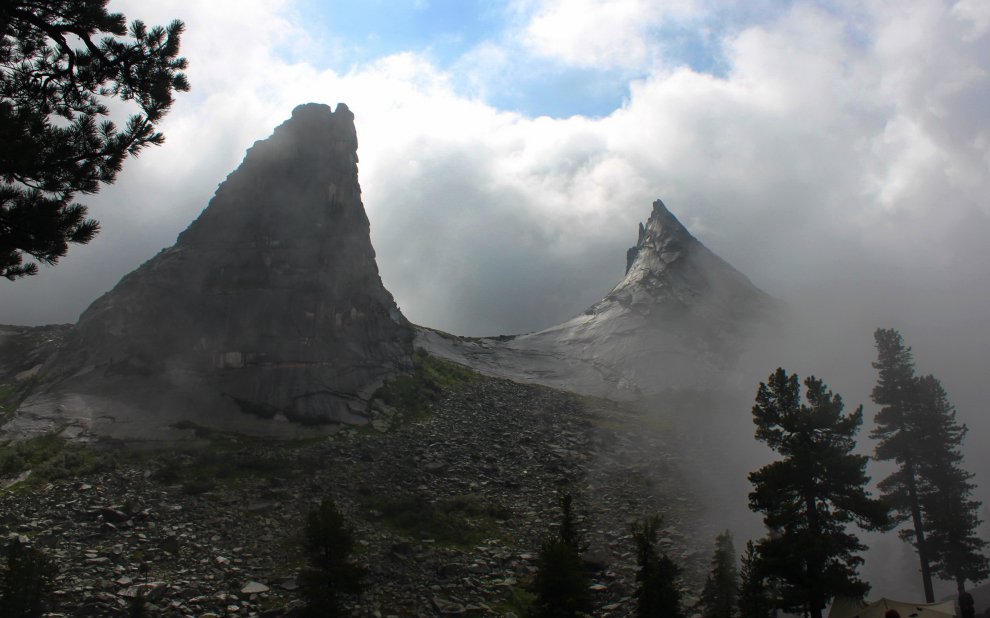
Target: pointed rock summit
678, 319
269, 306
671, 275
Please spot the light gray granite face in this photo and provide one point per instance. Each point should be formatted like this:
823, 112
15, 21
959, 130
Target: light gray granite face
678, 319
268, 307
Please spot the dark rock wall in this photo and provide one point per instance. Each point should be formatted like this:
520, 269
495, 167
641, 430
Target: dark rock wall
273, 293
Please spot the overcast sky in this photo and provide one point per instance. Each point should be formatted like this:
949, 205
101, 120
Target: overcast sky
838, 153
509, 149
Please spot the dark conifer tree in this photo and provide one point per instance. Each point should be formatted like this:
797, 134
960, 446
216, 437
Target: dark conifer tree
137, 607
61, 62
657, 594
754, 595
916, 428
950, 512
26, 581
330, 574
568, 528
718, 598
561, 587
809, 497
898, 439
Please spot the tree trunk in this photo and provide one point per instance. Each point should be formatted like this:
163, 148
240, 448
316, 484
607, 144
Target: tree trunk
919, 534
814, 569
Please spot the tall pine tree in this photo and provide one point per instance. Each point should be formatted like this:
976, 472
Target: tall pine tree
718, 597
898, 439
809, 497
63, 65
916, 428
950, 512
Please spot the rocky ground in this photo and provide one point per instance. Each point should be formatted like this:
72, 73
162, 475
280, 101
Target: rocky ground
449, 504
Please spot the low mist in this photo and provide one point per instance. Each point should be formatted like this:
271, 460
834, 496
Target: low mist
831, 337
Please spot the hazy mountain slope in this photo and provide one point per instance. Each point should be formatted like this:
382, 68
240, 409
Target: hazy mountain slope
678, 319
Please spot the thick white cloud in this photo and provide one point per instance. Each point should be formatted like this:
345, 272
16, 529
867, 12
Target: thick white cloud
595, 33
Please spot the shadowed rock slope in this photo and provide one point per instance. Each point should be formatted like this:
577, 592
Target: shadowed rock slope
678, 319
268, 307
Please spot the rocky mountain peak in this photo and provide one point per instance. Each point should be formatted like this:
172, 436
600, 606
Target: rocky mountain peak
269, 304
662, 235
678, 319
669, 271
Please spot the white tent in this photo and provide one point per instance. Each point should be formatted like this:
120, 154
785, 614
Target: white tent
844, 607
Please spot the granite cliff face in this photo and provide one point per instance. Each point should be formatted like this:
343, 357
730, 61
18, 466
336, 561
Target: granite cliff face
678, 319
269, 304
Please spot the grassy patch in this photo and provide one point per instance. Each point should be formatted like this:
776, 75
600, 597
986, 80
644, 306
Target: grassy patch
201, 471
457, 520
519, 601
8, 402
51, 458
413, 394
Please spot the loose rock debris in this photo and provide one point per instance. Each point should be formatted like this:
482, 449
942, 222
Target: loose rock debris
216, 531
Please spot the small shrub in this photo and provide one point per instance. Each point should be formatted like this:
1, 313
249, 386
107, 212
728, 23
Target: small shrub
167, 474
26, 581
198, 485
519, 601
457, 520
560, 586
330, 575
138, 606
51, 458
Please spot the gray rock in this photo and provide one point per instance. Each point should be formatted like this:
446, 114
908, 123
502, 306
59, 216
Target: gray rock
27, 374
447, 608
268, 306
254, 588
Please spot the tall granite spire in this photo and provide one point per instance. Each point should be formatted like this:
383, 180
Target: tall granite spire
270, 300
